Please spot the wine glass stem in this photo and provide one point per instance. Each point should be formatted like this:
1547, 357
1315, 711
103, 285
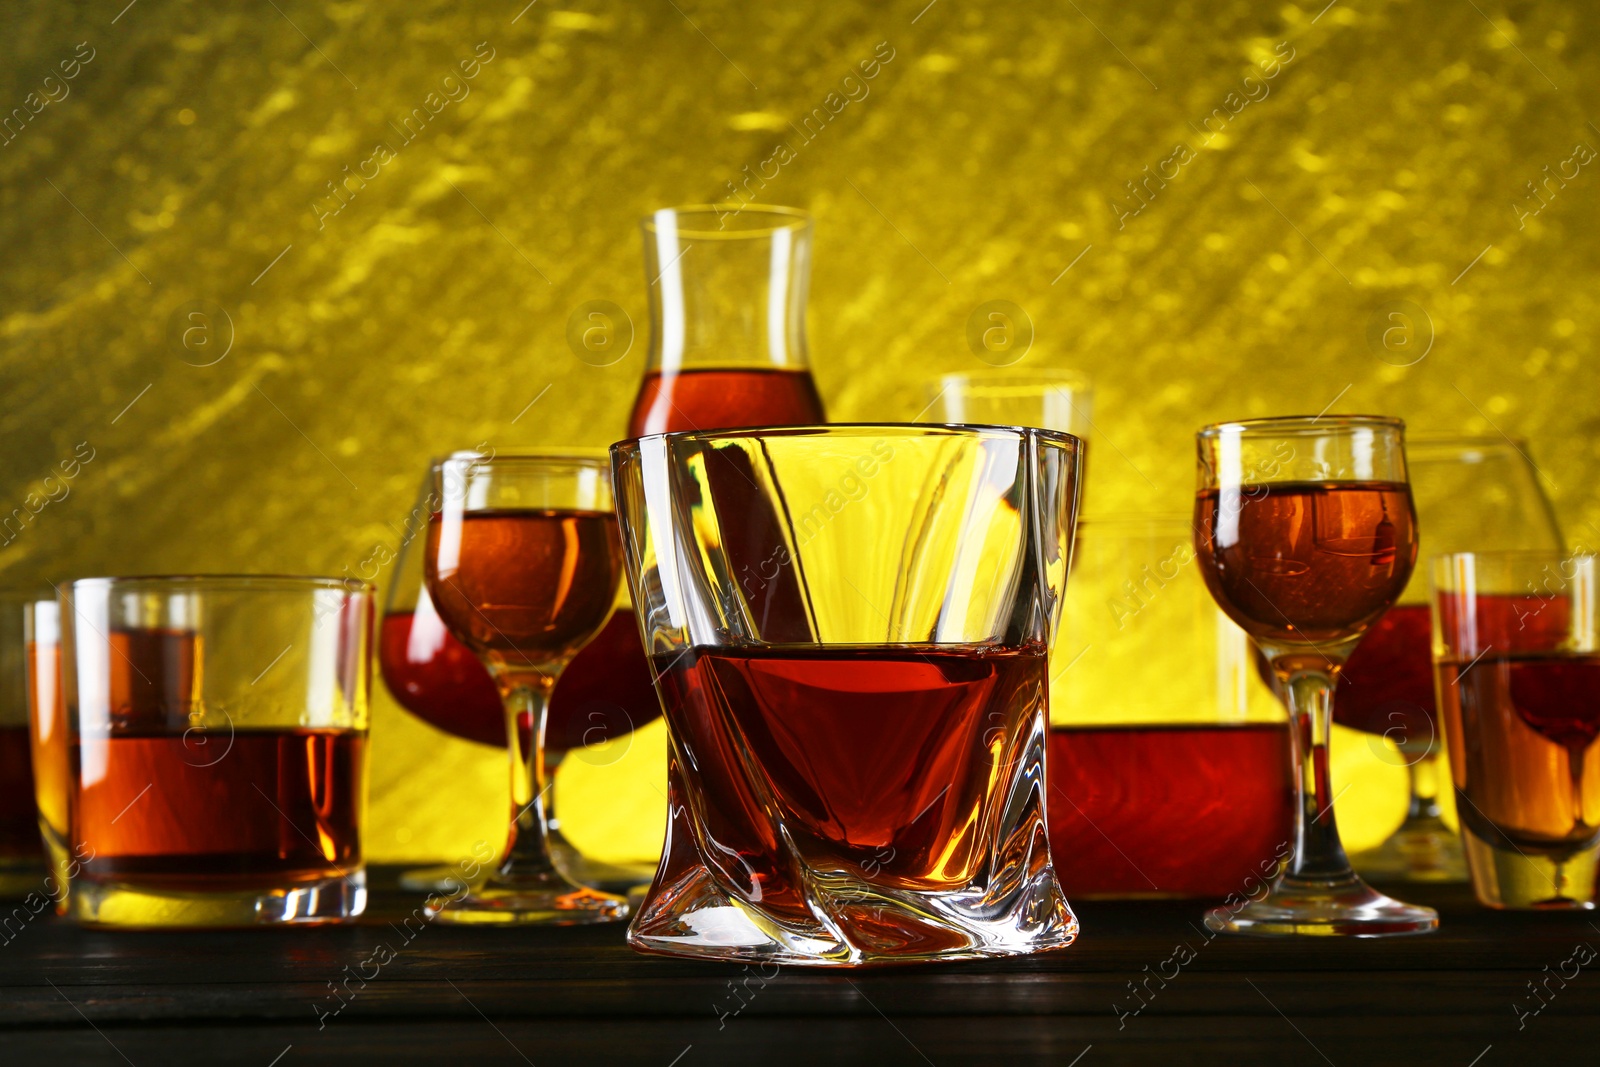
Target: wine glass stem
1423, 773
530, 851
1318, 852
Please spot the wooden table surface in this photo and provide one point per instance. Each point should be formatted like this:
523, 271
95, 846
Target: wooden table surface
442, 994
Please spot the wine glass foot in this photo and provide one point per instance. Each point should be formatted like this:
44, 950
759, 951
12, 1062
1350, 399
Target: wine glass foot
547, 900
619, 878
1304, 907
1422, 850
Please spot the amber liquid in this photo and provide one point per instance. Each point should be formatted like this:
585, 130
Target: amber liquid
1302, 562
152, 678
242, 810
19, 819
1183, 810
724, 398
1522, 729
527, 588
879, 762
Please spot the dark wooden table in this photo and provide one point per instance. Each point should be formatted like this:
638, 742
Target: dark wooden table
578, 996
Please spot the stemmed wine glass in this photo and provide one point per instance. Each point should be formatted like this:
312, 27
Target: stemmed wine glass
604, 693
1305, 534
523, 562
1387, 688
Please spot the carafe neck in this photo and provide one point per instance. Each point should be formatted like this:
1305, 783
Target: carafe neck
727, 288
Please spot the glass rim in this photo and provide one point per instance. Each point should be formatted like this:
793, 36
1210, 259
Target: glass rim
567, 456
1443, 439
768, 218
1513, 555
1001, 379
1300, 425
886, 429
206, 582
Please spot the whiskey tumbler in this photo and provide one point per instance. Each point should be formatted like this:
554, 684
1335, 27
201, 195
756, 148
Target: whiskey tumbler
216, 731
849, 628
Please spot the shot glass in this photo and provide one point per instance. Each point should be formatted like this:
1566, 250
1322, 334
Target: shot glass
849, 627
216, 729
1516, 652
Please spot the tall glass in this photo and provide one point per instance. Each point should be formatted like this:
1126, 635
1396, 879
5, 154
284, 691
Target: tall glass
1306, 535
1516, 645
522, 566
22, 855
1181, 789
850, 628
217, 730
728, 287
1472, 494
1048, 400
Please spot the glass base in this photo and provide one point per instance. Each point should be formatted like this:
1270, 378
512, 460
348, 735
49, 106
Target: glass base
698, 919
1422, 850
548, 900
619, 878
1530, 880
1306, 907
121, 905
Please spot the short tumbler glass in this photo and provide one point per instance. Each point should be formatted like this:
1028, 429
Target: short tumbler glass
217, 732
849, 627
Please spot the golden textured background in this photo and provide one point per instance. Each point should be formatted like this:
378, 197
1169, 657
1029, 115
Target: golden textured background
191, 157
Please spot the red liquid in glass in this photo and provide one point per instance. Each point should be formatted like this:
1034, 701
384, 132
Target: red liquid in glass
224, 810
1386, 686
1300, 562
1188, 810
19, 818
438, 679
879, 762
605, 692
723, 398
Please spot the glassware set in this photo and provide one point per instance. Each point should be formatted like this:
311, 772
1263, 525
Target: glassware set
857, 637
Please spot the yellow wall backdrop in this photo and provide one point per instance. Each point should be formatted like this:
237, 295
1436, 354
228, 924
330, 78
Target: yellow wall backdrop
1301, 169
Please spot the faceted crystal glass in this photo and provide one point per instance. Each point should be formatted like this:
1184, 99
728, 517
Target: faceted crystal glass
850, 628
